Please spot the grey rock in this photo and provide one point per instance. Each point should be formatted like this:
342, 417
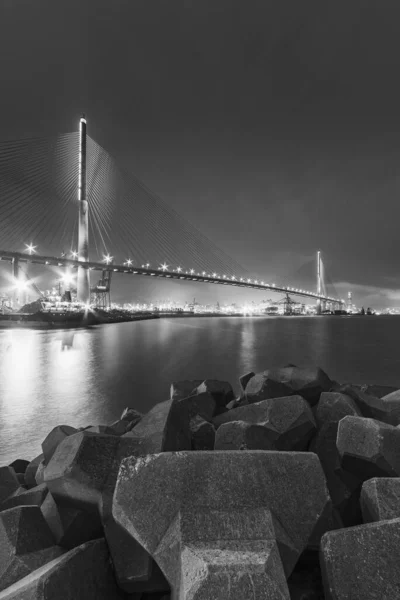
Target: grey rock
289, 420
152, 490
8, 482
378, 390
368, 448
362, 563
30, 472
333, 406
238, 435
307, 382
344, 488
183, 389
131, 415
26, 543
19, 465
385, 409
39, 475
244, 380
221, 391
202, 433
52, 440
83, 573
41, 497
102, 429
380, 499
202, 404
165, 428
84, 467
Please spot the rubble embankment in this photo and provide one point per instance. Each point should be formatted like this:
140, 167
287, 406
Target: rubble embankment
289, 491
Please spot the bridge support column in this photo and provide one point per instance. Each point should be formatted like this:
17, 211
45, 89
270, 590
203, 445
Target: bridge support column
83, 277
319, 283
18, 298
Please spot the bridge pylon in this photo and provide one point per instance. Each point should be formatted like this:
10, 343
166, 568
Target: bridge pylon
319, 282
83, 278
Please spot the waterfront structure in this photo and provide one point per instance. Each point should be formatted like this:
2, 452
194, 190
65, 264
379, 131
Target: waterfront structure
83, 284
80, 263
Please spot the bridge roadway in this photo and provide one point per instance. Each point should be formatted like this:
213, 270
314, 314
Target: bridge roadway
6, 255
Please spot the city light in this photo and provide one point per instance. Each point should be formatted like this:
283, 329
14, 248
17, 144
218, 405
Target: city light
107, 258
67, 278
31, 248
128, 262
164, 267
203, 273
179, 269
214, 275
74, 254
191, 271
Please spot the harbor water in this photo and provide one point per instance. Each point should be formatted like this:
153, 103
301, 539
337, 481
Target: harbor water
87, 376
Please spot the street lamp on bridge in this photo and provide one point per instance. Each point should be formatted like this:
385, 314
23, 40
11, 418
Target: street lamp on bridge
31, 248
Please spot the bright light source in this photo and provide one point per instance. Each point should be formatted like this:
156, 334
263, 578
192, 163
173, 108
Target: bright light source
191, 271
179, 269
107, 258
249, 281
20, 285
74, 254
214, 274
203, 273
128, 262
164, 267
67, 278
31, 248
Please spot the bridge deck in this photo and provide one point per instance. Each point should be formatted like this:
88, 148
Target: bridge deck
9, 256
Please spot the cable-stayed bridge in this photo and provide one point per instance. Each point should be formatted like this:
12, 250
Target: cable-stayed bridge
62, 192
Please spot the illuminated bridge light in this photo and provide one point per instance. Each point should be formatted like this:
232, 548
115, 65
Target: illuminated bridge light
128, 262
214, 274
74, 254
107, 258
241, 279
203, 273
179, 269
30, 248
249, 281
191, 271
164, 267
256, 281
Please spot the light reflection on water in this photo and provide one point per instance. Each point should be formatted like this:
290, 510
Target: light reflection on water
86, 377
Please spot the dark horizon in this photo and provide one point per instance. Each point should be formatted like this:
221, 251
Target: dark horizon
273, 129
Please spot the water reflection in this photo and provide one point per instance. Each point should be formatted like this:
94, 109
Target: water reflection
88, 376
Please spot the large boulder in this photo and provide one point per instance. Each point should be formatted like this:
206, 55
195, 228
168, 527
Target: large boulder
202, 404
344, 488
82, 474
154, 493
333, 406
19, 465
84, 573
52, 440
30, 472
385, 409
8, 482
289, 420
362, 563
183, 389
202, 433
380, 499
368, 448
165, 428
308, 383
238, 435
221, 391
26, 543
84, 467
41, 497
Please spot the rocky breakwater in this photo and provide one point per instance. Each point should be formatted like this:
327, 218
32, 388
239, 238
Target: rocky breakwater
291, 490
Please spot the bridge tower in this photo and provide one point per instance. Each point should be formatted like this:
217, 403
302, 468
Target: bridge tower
83, 279
319, 282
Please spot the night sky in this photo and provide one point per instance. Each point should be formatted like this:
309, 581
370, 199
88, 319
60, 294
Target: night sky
274, 127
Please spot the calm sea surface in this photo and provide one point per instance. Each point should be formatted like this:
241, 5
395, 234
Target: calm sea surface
87, 377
